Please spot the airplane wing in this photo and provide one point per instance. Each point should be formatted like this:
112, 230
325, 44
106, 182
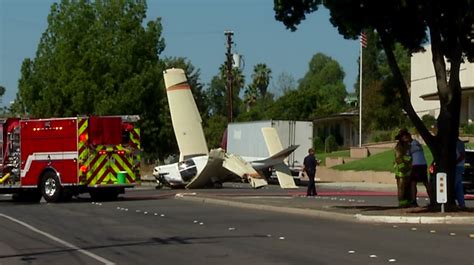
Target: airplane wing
278, 154
184, 115
243, 169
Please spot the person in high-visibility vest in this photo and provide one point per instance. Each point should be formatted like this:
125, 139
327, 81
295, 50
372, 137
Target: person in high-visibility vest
402, 166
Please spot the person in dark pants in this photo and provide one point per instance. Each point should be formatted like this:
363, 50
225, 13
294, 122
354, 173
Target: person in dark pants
310, 164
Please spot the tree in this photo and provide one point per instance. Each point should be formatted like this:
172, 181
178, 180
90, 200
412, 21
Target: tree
284, 83
257, 90
2, 91
261, 78
448, 25
98, 58
381, 106
216, 95
216, 100
250, 97
324, 80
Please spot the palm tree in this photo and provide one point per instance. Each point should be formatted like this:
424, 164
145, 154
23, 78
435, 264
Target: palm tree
250, 96
261, 78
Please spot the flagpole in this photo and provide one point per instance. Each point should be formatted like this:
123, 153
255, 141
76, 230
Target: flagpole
360, 95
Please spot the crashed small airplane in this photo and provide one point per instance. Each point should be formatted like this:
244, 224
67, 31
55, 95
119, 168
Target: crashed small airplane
200, 168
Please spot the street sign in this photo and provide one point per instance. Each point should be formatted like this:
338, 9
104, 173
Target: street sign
441, 188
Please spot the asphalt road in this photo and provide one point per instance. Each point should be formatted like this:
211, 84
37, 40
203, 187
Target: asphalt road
151, 227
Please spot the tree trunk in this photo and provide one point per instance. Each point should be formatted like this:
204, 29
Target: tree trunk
443, 146
450, 106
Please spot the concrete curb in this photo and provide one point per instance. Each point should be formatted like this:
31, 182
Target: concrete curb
415, 219
298, 211
331, 215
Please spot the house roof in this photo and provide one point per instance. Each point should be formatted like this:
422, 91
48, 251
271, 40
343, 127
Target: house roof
434, 96
338, 116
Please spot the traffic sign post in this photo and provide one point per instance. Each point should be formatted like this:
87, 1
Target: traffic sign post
441, 189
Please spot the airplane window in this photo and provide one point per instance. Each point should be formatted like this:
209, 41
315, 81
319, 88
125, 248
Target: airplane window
187, 169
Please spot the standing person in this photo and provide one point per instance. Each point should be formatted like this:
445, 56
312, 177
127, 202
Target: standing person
310, 164
402, 168
460, 161
419, 172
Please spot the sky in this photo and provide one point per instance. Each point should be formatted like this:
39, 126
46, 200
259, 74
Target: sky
195, 29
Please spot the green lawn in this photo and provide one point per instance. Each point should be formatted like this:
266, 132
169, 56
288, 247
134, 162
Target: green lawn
378, 162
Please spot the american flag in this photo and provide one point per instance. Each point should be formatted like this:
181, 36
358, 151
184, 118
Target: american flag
363, 40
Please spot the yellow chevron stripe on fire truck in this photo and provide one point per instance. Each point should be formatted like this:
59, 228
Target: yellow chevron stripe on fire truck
135, 137
102, 163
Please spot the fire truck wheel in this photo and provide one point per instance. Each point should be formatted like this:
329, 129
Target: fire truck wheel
51, 187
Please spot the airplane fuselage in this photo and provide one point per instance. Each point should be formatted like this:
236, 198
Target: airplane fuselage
178, 175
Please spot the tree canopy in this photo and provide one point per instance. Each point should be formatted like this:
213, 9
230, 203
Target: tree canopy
97, 58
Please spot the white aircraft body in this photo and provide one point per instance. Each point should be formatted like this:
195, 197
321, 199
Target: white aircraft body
200, 168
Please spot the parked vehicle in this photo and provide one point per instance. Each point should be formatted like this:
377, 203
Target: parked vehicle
245, 139
57, 158
467, 177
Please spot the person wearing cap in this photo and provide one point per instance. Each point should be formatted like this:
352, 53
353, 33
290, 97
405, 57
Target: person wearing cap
402, 166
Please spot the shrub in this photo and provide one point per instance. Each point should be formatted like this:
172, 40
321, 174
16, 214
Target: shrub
468, 129
330, 144
318, 144
429, 121
381, 136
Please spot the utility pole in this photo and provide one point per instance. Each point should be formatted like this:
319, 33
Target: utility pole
229, 35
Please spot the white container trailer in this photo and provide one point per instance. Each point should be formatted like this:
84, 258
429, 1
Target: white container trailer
246, 138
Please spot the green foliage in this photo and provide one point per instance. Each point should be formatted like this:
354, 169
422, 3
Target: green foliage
468, 129
214, 130
324, 82
330, 144
261, 78
318, 143
321, 92
429, 121
99, 58
379, 162
284, 83
259, 110
381, 103
381, 136
216, 93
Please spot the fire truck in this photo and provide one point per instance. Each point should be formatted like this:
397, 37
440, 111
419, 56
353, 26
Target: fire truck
57, 158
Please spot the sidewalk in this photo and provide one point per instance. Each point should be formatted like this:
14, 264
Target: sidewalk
330, 204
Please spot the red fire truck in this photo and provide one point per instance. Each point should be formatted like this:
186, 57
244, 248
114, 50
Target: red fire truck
57, 158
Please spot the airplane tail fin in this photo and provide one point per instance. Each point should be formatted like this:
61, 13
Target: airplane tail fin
276, 151
184, 115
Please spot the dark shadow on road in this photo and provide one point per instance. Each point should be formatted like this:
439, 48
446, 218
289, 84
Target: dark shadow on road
154, 241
